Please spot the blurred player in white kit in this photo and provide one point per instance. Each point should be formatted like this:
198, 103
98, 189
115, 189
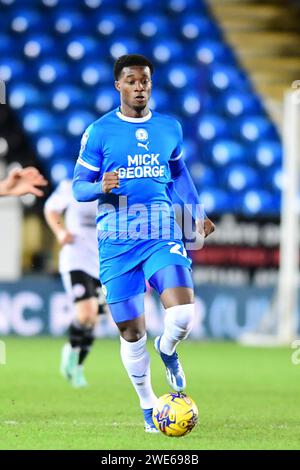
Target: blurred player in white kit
79, 268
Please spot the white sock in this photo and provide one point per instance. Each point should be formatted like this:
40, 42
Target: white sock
136, 361
178, 324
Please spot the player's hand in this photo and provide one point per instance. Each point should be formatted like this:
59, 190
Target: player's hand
64, 237
110, 181
21, 181
206, 227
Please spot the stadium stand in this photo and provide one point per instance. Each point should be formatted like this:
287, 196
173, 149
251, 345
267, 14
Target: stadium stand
56, 57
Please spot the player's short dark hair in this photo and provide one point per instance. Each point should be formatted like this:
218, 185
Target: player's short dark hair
129, 60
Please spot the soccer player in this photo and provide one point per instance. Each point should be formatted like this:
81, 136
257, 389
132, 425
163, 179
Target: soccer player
21, 181
128, 159
79, 268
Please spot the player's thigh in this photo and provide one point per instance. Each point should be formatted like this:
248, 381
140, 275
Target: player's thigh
124, 286
167, 253
169, 272
129, 317
125, 299
174, 284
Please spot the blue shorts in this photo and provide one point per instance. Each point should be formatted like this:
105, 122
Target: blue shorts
170, 276
125, 265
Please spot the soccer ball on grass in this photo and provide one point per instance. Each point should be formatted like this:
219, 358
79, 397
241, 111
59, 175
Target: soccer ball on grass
175, 414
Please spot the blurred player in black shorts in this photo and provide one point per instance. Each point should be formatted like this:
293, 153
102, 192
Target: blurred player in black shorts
79, 268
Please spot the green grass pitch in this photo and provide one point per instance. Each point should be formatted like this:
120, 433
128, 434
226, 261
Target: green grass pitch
248, 398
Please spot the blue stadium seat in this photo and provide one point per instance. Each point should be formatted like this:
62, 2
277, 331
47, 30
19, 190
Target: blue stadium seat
211, 127
105, 99
255, 127
9, 5
190, 103
95, 72
275, 179
182, 6
26, 19
224, 77
159, 100
61, 170
54, 3
238, 103
123, 45
77, 121
216, 200
181, 76
11, 69
23, 95
38, 121
51, 145
240, 177
191, 152
52, 70
256, 202
164, 51
78, 47
64, 97
203, 176
110, 24
38, 45
268, 153
197, 26
210, 51
226, 152
151, 25
94, 5
68, 21
134, 6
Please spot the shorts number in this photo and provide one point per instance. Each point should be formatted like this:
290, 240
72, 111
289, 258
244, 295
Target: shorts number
176, 249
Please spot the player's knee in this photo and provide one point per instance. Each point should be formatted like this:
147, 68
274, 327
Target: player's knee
188, 316
173, 297
182, 316
87, 312
132, 334
87, 319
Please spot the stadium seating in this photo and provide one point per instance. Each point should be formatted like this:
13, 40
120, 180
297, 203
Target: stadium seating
57, 58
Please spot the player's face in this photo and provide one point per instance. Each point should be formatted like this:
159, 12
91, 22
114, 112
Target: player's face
135, 86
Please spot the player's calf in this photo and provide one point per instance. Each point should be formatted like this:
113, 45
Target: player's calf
178, 324
75, 352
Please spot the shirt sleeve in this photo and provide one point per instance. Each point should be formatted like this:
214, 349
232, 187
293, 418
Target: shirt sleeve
90, 154
177, 152
60, 199
86, 186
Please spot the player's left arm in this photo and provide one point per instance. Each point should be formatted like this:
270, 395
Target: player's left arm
185, 188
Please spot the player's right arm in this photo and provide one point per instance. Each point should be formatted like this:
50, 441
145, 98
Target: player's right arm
54, 207
86, 184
